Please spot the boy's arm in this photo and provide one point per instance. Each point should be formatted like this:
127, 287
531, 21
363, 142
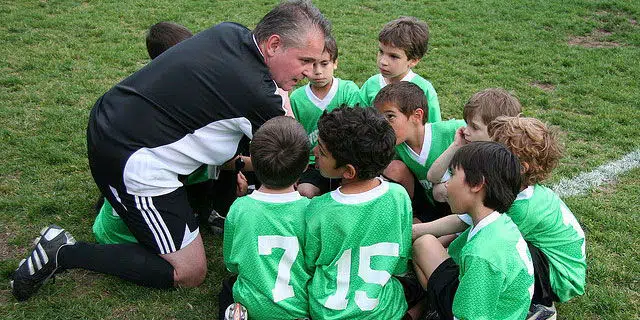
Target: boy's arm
227, 242
478, 290
443, 226
440, 166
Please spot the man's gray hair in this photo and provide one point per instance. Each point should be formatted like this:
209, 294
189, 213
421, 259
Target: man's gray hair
292, 20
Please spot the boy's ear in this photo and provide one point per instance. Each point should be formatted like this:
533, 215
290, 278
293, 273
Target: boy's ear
413, 62
477, 188
419, 113
524, 167
335, 64
349, 172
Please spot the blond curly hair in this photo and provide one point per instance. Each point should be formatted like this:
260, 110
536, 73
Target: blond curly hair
536, 144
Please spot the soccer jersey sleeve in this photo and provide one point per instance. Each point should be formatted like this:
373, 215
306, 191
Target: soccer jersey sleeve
227, 243
478, 291
351, 94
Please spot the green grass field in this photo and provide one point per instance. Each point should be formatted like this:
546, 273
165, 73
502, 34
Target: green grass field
574, 64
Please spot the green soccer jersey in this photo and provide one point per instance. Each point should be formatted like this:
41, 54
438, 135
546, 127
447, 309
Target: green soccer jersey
496, 272
437, 138
548, 224
373, 85
263, 242
109, 228
354, 244
307, 108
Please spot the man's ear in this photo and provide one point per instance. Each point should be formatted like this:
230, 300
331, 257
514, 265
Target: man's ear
349, 172
273, 43
413, 62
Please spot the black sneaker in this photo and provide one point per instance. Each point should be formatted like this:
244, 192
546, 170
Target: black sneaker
542, 312
41, 263
216, 222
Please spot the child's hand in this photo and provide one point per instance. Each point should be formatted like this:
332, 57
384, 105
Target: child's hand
459, 139
242, 186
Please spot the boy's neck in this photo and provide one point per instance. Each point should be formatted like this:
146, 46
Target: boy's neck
265, 189
416, 140
321, 92
479, 213
354, 186
396, 79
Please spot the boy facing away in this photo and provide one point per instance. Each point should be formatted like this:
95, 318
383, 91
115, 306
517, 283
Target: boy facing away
323, 93
554, 236
403, 43
487, 272
418, 143
359, 235
264, 231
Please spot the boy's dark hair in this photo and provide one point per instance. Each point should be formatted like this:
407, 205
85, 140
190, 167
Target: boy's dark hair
360, 137
534, 142
407, 97
164, 35
491, 103
407, 33
291, 20
279, 152
331, 47
494, 165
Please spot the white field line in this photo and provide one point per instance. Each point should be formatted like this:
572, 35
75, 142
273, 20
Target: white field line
603, 174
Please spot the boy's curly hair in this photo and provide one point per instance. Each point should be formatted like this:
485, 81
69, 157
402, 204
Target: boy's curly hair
536, 145
358, 136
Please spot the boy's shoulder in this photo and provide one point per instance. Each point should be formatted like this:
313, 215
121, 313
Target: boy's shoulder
485, 240
300, 92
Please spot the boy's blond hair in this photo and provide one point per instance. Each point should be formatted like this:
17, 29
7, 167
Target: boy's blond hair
535, 143
407, 33
491, 103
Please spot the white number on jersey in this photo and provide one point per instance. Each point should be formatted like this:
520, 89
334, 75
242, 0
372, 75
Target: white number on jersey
282, 289
338, 300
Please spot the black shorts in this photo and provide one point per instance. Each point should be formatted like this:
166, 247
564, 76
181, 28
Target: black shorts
163, 224
543, 293
313, 176
442, 287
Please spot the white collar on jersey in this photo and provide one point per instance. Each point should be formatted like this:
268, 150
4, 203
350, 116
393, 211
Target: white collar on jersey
408, 77
483, 223
426, 145
275, 197
322, 103
525, 194
374, 193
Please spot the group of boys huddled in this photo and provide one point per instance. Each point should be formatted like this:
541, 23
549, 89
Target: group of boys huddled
329, 235
333, 229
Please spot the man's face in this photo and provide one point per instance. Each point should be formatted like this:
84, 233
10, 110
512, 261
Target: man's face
325, 162
288, 65
322, 74
476, 129
393, 62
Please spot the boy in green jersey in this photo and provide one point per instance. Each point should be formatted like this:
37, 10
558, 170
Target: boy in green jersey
359, 235
264, 231
487, 272
554, 236
418, 143
482, 108
323, 93
403, 43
